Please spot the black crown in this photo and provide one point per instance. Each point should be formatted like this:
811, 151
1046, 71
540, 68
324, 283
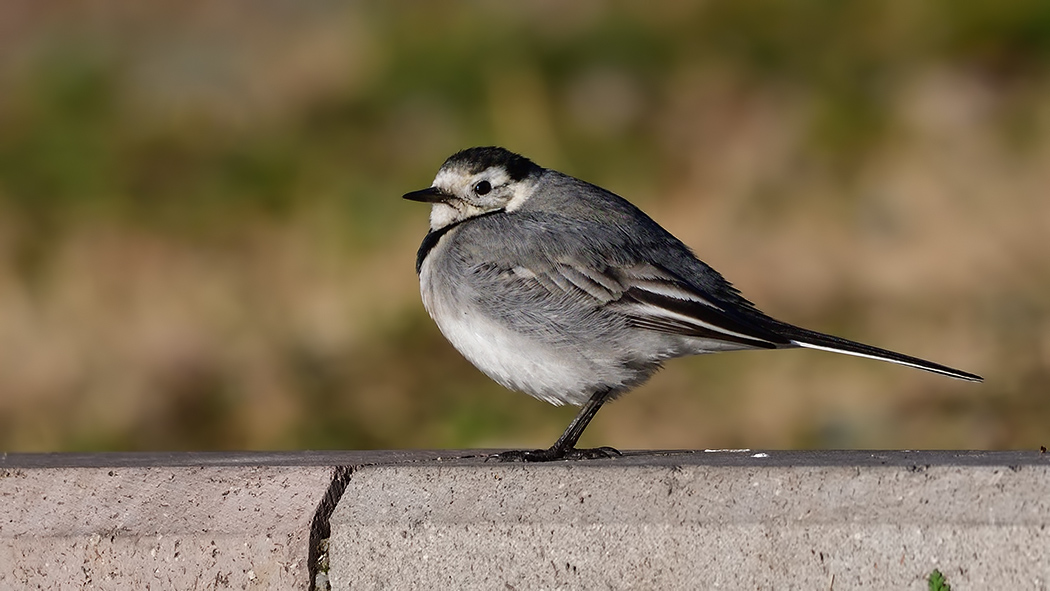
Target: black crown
475, 160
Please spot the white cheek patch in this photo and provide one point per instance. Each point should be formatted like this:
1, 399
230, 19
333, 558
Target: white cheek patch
522, 192
441, 215
444, 214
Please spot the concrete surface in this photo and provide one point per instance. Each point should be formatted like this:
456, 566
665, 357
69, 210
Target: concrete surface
185, 520
745, 520
446, 519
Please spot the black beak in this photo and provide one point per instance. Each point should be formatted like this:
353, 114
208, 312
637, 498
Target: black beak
428, 195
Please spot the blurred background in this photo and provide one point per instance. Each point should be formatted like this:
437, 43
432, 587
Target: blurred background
203, 245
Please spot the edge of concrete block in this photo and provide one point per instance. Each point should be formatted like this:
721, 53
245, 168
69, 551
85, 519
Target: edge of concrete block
261, 519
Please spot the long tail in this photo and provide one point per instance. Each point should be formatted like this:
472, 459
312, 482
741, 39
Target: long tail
815, 340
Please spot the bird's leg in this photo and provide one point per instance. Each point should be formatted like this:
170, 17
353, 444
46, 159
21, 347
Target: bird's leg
565, 447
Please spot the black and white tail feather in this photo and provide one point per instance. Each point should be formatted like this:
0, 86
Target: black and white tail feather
809, 339
668, 306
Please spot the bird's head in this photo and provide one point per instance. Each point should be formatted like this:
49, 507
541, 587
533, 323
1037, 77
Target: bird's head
478, 181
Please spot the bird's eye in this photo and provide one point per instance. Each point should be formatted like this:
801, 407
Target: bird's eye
482, 187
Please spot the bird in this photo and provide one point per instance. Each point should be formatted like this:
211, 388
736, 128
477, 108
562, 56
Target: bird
565, 291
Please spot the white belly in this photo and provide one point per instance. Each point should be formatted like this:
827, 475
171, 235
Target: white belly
514, 360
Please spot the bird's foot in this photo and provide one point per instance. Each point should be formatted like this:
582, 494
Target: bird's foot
553, 454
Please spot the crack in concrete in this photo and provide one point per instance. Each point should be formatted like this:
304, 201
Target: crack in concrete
321, 529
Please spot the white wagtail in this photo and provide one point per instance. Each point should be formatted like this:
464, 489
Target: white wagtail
565, 291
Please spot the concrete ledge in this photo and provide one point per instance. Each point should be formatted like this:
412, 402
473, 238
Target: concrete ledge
157, 527
848, 520
664, 520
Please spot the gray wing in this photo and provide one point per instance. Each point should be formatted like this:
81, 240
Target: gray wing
571, 279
